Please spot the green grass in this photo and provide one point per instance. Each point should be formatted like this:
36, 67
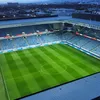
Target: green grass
2, 89
32, 70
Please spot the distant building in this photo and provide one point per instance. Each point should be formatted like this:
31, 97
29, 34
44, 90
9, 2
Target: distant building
88, 16
12, 4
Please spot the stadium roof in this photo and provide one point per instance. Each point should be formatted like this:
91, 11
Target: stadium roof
60, 19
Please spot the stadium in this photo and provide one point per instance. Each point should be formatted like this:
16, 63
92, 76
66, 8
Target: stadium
38, 56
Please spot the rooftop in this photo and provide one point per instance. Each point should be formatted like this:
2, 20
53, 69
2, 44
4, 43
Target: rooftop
60, 19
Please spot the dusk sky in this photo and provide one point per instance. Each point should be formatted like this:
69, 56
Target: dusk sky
27, 1
21, 1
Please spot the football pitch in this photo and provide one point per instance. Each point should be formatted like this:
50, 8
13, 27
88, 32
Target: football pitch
33, 70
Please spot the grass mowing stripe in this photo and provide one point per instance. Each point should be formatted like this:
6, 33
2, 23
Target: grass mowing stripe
84, 63
3, 95
62, 64
75, 73
26, 75
44, 73
12, 84
48, 59
44, 58
38, 65
42, 84
27, 62
43, 62
16, 73
3, 83
70, 61
76, 61
83, 55
83, 60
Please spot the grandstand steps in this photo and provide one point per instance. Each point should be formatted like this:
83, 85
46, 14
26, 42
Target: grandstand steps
0, 45
14, 45
85, 43
95, 48
26, 41
71, 38
61, 35
51, 27
39, 40
77, 41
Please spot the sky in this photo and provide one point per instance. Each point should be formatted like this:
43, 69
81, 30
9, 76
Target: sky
29, 1
21, 1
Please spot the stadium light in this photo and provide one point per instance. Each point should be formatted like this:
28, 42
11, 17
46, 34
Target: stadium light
46, 30
12, 36
23, 33
3, 16
7, 34
37, 31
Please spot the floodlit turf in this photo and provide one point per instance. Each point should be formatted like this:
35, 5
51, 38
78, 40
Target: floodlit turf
2, 90
32, 70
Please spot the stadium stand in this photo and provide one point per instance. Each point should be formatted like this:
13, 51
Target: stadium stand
67, 36
49, 38
97, 50
6, 44
27, 29
22, 42
42, 38
32, 40
90, 32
